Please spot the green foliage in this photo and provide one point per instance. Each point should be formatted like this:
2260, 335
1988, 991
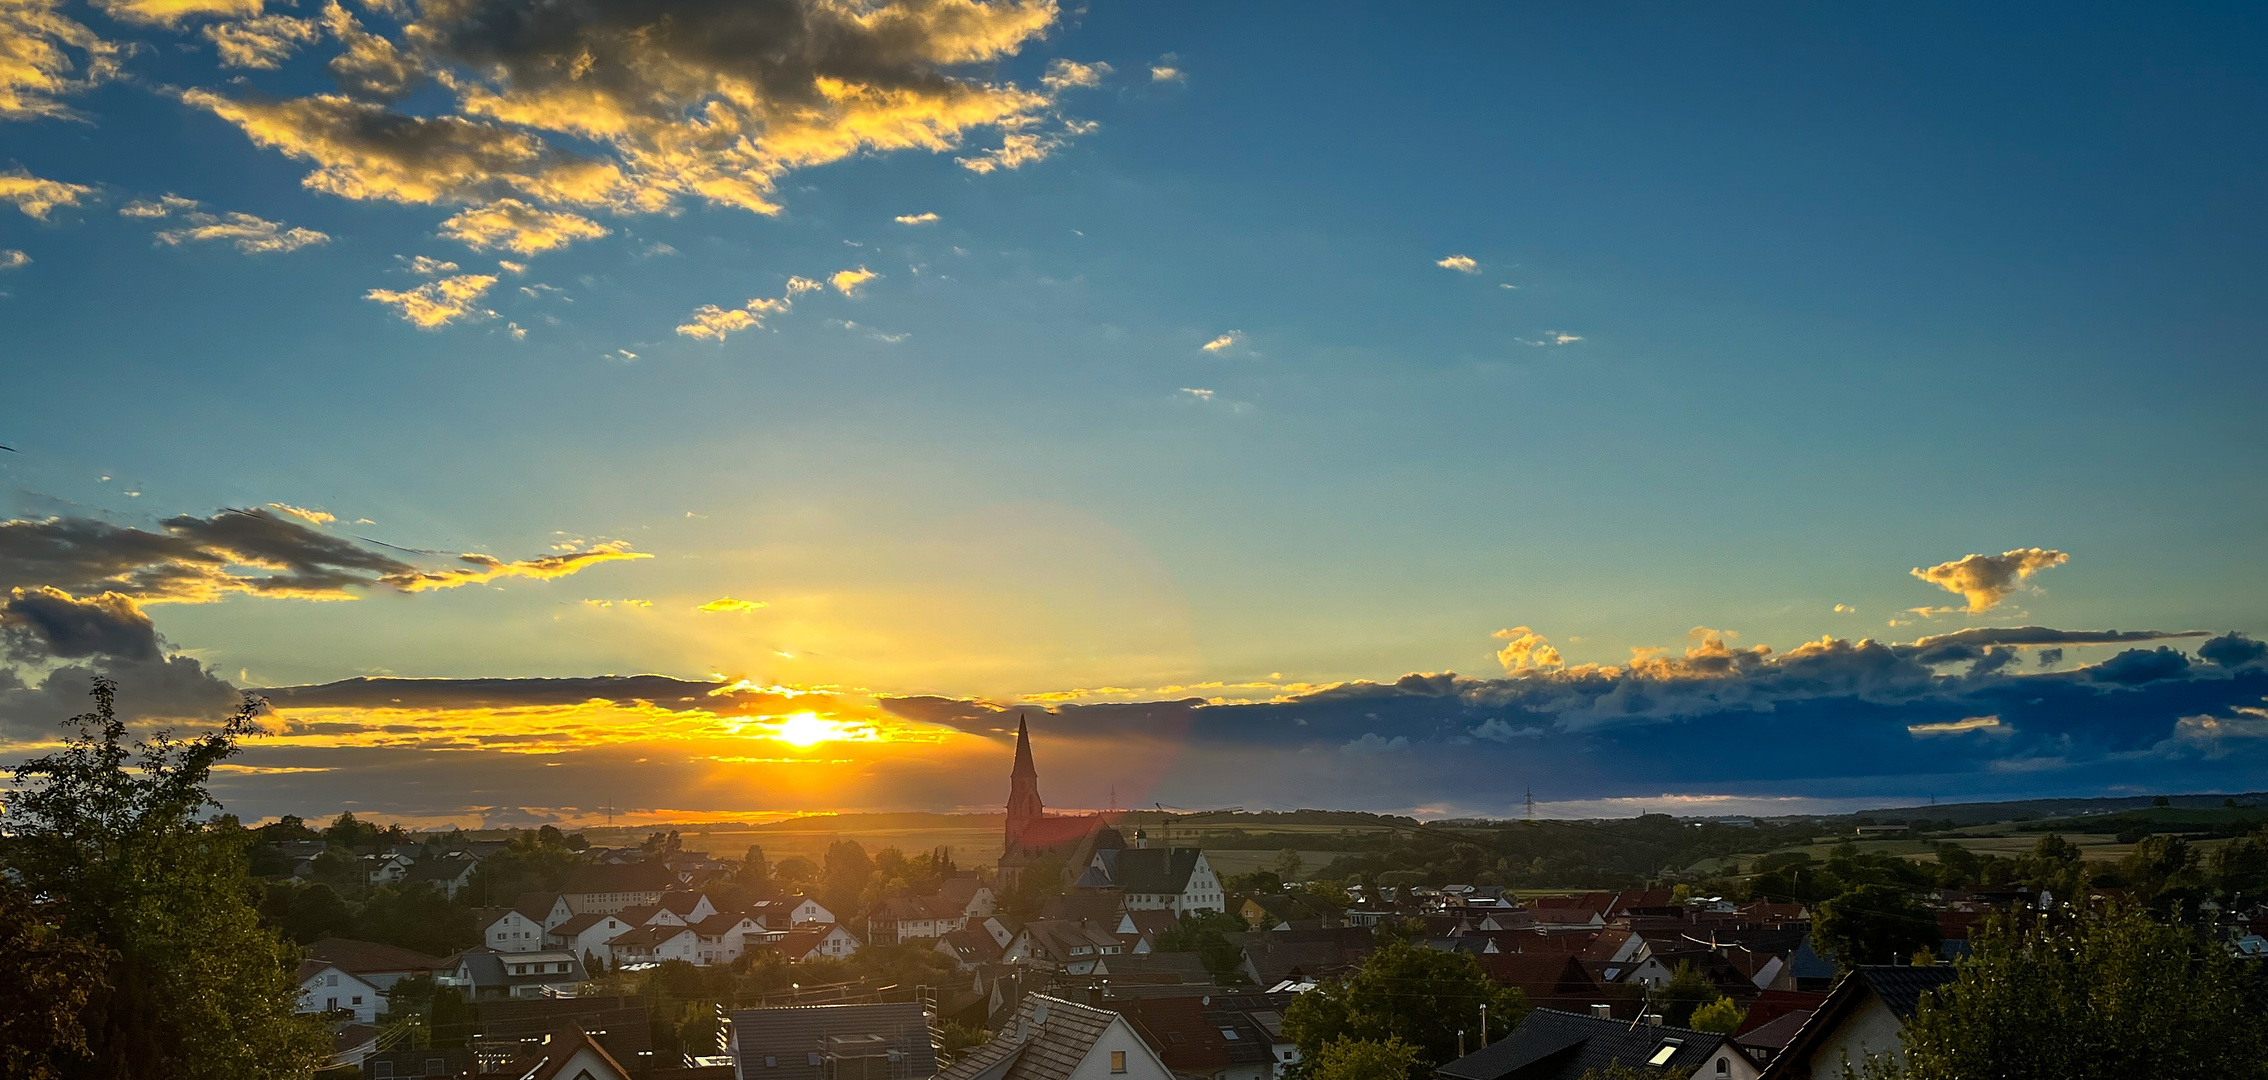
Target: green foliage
47, 980
196, 987
1036, 883
1363, 1059
844, 878
2096, 995
1687, 991
527, 864
316, 912
1289, 864
956, 1039
1873, 924
1722, 1016
2241, 866
1409, 992
417, 916
1206, 934
1616, 1070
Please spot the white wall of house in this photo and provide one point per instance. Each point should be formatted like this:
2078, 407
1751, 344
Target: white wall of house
1871, 1029
809, 911
1728, 1064
684, 946
1140, 1062
594, 938
726, 947
513, 932
331, 989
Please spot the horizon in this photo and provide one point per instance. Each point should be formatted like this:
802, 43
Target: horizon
1729, 410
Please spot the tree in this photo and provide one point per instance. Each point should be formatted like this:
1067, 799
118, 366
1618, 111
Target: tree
847, 869
1873, 924
2086, 995
1360, 1059
195, 987
47, 979
753, 869
1289, 864
1206, 934
1687, 991
316, 912
1722, 1016
1409, 992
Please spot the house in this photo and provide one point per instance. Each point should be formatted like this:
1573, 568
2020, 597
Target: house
814, 941
449, 873
1138, 931
654, 943
690, 907
1157, 968
489, 974
386, 869
967, 894
1555, 1045
824, 1042
608, 888
969, 947
619, 1024
431, 1063
912, 918
1178, 880
1050, 1039
1863, 1015
571, 1054
650, 915
1178, 1031
520, 928
378, 964
1270, 911
1062, 945
1275, 956
724, 937
327, 988
353, 1044
586, 936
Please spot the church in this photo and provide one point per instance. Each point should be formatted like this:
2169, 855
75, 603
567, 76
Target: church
1034, 835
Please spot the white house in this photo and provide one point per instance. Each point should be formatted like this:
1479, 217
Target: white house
1179, 880
1864, 1015
388, 869
511, 930
655, 943
325, 988
651, 915
807, 910
813, 941
586, 935
1049, 1032
724, 937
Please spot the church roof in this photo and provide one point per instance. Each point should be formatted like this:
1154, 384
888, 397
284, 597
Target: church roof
1048, 832
1024, 766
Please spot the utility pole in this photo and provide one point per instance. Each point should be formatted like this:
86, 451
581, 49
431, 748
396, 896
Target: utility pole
1484, 1025
1531, 802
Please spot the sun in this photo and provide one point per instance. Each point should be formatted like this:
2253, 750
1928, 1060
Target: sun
806, 730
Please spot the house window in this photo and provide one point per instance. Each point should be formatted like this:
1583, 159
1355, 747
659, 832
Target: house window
381, 1070
771, 1062
1117, 1061
358, 999
1724, 1066
436, 1067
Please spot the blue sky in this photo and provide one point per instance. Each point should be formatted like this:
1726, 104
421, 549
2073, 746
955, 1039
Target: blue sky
1756, 312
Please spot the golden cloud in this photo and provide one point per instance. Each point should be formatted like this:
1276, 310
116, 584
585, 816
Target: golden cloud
10, 259
1525, 650
35, 196
437, 303
251, 235
714, 323
486, 568
45, 56
1069, 74
847, 282
1225, 342
171, 12
517, 227
1985, 580
1463, 264
312, 517
917, 219
726, 603
264, 42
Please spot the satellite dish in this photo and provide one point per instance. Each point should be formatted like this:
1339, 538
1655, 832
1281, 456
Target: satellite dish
1039, 1015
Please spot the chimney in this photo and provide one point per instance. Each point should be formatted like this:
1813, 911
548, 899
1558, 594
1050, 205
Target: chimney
1602, 1012
1653, 1019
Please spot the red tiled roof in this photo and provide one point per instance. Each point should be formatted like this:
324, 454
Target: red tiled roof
1050, 832
368, 957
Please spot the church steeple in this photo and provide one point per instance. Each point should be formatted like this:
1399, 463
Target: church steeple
1023, 787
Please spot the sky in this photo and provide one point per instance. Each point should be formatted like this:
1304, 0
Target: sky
724, 410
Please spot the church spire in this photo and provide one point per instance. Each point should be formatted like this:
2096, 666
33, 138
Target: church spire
1023, 787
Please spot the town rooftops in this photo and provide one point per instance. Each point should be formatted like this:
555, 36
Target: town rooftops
780, 1044
1550, 1045
1046, 1040
1900, 989
580, 923
370, 957
1150, 870
650, 937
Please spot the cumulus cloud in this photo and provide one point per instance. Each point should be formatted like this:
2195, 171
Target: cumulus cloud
924, 218
1463, 264
1374, 743
35, 197
437, 303
1525, 650
191, 559
728, 604
1225, 342
110, 624
248, 234
1198, 392
517, 227
2136, 666
45, 57
712, 323
667, 102
10, 259
1069, 74
2233, 650
1985, 580
1167, 73
847, 282
312, 517
263, 42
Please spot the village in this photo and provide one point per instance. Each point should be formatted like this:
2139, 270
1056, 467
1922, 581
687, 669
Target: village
1086, 950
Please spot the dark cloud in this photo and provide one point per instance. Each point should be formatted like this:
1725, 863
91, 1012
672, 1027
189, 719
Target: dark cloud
2136, 666
393, 693
2233, 650
2050, 657
55, 623
1963, 646
199, 559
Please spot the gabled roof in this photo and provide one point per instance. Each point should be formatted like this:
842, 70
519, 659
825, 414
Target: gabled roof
801, 940
1053, 831
722, 923
552, 1056
1177, 1029
648, 937
371, 957
1899, 989
1808, 964
1058, 937
1046, 1040
1092, 905
971, 945
442, 869
536, 905
791, 1035
910, 909
1551, 1045
487, 967
681, 904
959, 891
1152, 870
